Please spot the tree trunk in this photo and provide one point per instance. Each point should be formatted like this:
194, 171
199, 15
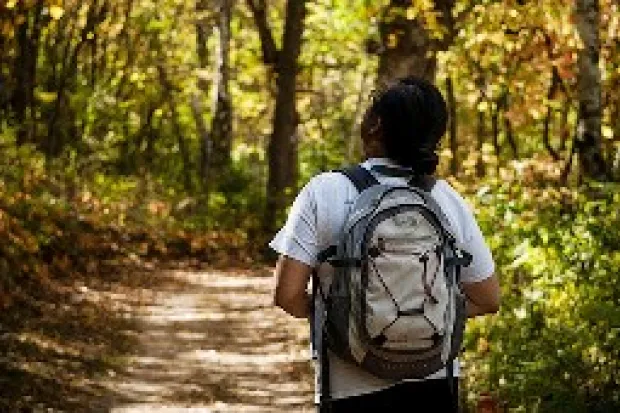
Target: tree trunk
480, 132
406, 45
354, 143
62, 118
614, 151
167, 87
555, 82
564, 127
206, 147
282, 150
187, 163
282, 147
151, 137
510, 138
588, 140
454, 161
203, 30
267, 42
221, 127
52, 145
25, 72
495, 133
615, 166
546, 134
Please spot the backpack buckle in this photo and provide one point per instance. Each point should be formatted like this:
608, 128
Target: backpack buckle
461, 259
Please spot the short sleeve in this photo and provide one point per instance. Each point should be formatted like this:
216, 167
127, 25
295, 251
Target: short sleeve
482, 265
298, 239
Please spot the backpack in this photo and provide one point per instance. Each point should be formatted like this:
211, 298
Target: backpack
394, 306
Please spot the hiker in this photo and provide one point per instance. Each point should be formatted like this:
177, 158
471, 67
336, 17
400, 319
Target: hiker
401, 131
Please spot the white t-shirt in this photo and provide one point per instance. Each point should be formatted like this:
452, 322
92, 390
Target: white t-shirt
314, 222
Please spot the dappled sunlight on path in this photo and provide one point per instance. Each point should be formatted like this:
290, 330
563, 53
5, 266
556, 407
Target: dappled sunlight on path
212, 342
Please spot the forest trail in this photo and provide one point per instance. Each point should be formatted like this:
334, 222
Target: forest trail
212, 342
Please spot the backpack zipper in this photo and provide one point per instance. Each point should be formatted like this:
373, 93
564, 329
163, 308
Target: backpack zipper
395, 245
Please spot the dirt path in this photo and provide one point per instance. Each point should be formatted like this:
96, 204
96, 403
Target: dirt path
212, 342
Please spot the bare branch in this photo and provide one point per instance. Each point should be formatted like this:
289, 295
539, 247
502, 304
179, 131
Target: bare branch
268, 45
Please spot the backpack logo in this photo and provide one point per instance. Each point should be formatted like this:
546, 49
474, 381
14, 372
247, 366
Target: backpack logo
405, 220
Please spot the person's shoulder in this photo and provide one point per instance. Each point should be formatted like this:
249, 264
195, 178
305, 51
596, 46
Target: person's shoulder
327, 180
445, 186
454, 196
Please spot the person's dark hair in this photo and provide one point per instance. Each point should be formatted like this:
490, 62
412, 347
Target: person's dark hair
410, 117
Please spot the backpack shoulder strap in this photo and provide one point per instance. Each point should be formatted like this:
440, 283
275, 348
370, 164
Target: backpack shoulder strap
424, 182
360, 177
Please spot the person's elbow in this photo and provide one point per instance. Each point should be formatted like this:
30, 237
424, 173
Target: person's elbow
490, 302
290, 292
284, 300
294, 304
485, 296
493, 304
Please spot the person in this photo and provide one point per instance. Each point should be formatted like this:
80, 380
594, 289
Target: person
402, 128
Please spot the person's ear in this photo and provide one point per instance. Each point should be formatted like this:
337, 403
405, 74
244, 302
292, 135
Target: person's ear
374, 128
371, 128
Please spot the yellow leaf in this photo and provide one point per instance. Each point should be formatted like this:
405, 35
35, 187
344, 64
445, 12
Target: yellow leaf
6, 29
392, 41
412, 13
431, 20
483, 345
56, 12
45, 97
497, 38
483, 106
203, 74
10, 4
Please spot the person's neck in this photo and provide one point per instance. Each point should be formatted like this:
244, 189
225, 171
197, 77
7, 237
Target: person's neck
374, 154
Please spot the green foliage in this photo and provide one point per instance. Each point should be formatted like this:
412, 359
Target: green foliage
61, 222
554, 345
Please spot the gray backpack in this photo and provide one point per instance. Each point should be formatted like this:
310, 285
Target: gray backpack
394, 306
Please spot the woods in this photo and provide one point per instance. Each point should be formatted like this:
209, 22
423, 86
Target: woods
183, 128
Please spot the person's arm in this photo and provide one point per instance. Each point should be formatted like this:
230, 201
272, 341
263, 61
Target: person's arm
297, 245
478, 280
290, 293
483, 297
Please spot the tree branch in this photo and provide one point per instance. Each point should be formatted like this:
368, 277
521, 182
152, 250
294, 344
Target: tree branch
268, 45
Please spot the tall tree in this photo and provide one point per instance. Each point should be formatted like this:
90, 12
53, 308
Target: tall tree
282, 148
588, 140
451, 100
203, 29
410, 38
221, 127
28, 37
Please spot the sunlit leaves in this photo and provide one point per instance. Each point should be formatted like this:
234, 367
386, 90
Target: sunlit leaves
56, 12
555, 250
